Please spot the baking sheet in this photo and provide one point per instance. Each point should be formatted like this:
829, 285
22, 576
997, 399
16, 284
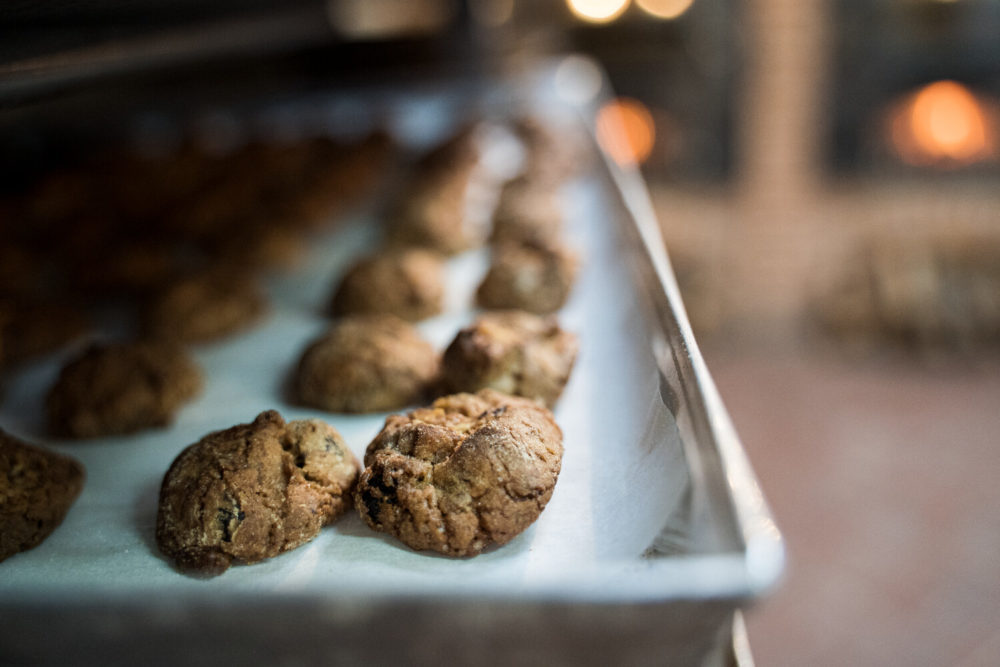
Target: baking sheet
623, 471
656, 532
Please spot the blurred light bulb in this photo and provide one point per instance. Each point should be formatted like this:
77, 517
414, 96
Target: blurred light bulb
597, 11
943, 122
664, 9
626, 131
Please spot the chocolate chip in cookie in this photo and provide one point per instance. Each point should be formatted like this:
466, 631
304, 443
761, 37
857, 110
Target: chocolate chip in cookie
366, 363
119, 388
511, 351
252, 492
37, 488
467, 472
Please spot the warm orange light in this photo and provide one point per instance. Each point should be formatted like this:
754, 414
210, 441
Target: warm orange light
944, 123
664, 9
597, 11
625, 130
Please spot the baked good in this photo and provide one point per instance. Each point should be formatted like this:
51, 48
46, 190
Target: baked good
31, 328
536, 277
552, 154
469, 471
338, 178
458, 151
125, 268
407, 283
205, 307
37, 488
261, 244
119, 388
253, 491
527, 212
366, 363
433, 213
511, 351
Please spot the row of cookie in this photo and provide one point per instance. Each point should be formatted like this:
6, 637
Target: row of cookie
467, 472
218, 302
123, 222
373, 363
179, 239
531, 270
533, 275
436, 216
361, 364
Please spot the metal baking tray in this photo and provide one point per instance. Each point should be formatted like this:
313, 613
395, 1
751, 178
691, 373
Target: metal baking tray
656, 535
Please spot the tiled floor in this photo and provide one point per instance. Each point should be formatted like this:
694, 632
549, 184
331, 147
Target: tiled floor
885, 479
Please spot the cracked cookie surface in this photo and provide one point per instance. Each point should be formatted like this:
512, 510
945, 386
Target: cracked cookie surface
511, 351
469, 471
253, 491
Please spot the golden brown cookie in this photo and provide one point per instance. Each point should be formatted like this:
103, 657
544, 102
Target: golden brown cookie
31, 328
433, 213
513, 352
469, 471
406, 283
37, 488
366, 363
552, 154
261, 244
536, 277
253, 491
205, 307
527, 213
338, 178
120, 388
130, 268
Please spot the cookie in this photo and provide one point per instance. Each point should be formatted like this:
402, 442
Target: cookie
527, 213
125, 268
366, 363
339, 178
407, 283
119, 388
459, 151
37, 488
205, 307
552, 154
470, 471
433, 213
513, 352
262, 244
31, 328
253, 491
536, 277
